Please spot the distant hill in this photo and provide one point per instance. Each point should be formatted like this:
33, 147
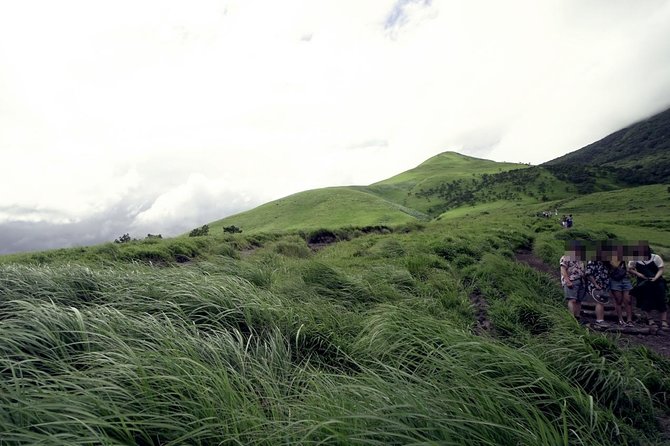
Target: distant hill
638, 154
330, 207
413, 187
445, 182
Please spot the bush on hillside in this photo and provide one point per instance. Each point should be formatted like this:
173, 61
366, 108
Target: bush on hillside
232, 229
125, 238
197, 232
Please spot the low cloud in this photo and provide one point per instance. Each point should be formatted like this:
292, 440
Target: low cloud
197, 201
18, 236
185, 206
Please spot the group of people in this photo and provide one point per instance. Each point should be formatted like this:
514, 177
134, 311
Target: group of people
548, 214
605, 270
566, 221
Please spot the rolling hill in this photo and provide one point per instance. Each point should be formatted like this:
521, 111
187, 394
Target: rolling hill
430, 331
446, 181
449, 181
329, 207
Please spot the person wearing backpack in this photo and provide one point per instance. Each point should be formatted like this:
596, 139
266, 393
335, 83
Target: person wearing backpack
598, 284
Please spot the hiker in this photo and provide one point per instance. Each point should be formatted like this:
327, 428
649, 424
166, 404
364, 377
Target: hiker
650, 287
598, 284
568, 221
572, 276
564, 220
620, 284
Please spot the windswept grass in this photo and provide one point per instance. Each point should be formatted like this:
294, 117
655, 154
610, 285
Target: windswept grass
256, 338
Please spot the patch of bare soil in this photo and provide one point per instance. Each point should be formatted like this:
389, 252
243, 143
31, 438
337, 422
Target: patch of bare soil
481, 306
526, 256
318, 246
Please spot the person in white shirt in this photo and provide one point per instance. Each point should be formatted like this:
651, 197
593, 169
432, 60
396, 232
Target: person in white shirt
650, 289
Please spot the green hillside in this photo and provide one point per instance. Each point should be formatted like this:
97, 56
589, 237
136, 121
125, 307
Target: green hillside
405, 188
638, 154
448, 180
412, 322
258, 339
329, 207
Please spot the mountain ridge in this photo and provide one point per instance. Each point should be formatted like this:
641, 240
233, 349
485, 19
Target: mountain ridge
637, 154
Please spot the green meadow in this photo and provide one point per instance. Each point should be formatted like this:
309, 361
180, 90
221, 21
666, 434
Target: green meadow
375, 338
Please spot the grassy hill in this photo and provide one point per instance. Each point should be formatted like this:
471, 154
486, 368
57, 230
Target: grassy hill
446, 181
426, 332
257, 339
638, 154
329, 207
407, 188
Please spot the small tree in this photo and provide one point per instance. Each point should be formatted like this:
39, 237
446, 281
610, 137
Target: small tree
232, 229
125, 238
197, 232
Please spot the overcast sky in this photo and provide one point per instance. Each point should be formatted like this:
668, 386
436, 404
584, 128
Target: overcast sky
159, 116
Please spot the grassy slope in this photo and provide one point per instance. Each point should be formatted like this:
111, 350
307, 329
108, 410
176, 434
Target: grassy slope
446, 166
390, 202
329, 207
641, 213
259, 340
369, 340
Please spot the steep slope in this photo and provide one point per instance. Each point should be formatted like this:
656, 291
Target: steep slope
637, 154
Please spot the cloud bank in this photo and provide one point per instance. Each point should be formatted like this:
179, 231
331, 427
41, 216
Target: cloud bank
160, 116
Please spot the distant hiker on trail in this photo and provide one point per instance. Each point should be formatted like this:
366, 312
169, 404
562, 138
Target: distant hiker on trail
650, 288
564, 220
568, 221
598, 284
620, 284
572, 276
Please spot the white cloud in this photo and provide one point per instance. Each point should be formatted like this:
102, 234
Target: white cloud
198, 200
148, 103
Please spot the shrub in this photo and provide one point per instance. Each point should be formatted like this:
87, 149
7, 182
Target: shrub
197, 232
125, 238
232, 229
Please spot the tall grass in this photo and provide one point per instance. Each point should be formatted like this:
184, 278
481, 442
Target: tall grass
368, 341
